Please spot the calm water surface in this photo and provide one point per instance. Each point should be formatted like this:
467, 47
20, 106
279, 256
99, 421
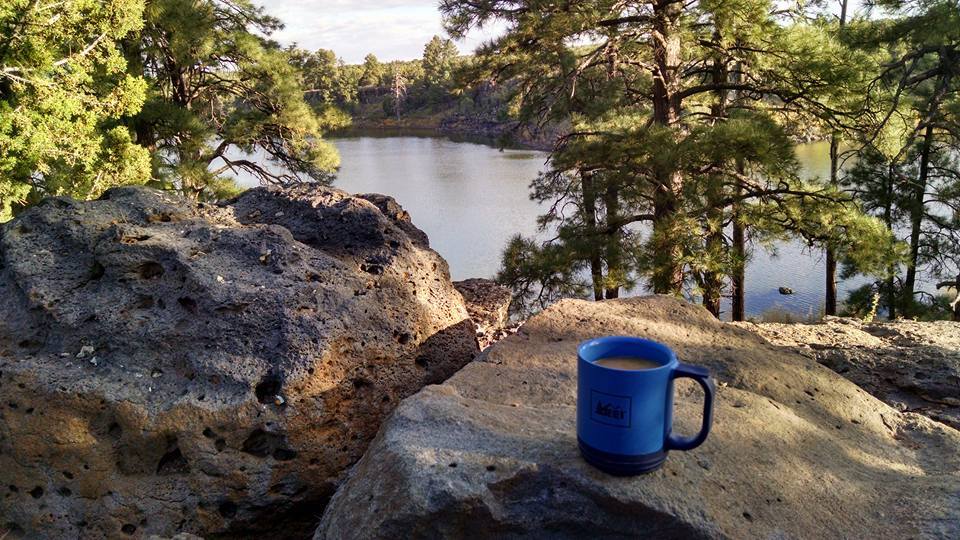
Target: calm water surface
471, 198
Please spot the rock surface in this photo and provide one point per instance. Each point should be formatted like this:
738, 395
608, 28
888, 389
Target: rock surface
168, 367
912, 366
796, 451
488, 305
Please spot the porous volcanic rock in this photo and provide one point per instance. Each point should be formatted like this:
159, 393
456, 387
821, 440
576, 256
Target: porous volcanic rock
913, 366
488, 305
170, 367
796, 450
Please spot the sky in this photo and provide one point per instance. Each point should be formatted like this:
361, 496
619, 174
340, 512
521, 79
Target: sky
390, 29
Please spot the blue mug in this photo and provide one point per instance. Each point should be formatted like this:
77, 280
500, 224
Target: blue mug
624, 417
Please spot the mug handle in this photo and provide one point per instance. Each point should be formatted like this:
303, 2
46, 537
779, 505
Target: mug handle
702, 376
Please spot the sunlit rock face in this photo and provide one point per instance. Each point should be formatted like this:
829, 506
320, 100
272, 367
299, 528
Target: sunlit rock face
168, 366
912, 366
796, 450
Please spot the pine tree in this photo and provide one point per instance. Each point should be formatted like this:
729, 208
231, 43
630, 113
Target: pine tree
63, 92
373, 71
907, 172
657, 135
218, 90
439, 56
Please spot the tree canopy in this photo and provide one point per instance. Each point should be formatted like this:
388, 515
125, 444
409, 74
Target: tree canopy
219, 92
64, 90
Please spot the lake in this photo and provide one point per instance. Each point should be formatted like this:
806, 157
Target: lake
470, 198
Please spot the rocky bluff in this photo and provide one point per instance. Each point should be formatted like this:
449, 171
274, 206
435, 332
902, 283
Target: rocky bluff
171, 367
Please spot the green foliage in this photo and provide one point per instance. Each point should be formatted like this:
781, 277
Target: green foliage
220, 91
676, 135
63, 92
327, 82
439, 56
539, 274
373, 71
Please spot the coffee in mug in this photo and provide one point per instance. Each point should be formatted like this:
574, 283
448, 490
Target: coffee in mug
628, 363
625, 403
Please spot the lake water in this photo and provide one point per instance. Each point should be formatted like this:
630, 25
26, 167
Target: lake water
470, 198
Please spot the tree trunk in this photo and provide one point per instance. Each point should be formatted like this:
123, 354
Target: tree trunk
830, 300
667, 275
917, 211
740, 252
611, 200
891, 292
738, 279
590, 218
712, 283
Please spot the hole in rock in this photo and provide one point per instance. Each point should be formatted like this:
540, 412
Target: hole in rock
36, 492
128, 528
96, 271
262, 444
284, 454
374, 269
173, 462
188, 304
219, 444
227, 509
491, 468
150, 270
453, 465
421, 361
208, 433
268, 388
360, 382
114, 430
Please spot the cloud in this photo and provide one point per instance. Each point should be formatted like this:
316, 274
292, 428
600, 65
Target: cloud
390, 29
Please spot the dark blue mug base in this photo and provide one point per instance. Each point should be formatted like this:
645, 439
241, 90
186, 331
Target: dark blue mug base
621, 465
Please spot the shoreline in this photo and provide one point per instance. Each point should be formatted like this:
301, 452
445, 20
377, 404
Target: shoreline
460, 129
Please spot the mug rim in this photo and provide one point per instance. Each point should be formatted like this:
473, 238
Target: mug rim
633, 340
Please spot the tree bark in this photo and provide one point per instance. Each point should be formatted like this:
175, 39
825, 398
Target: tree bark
667, 275
615, 272
830, 300
917, 211
738, 278
713, 277
891, 289
590, 219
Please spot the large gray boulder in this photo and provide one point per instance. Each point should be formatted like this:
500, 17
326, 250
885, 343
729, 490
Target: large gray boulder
797, 451
912, 366
169, 367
